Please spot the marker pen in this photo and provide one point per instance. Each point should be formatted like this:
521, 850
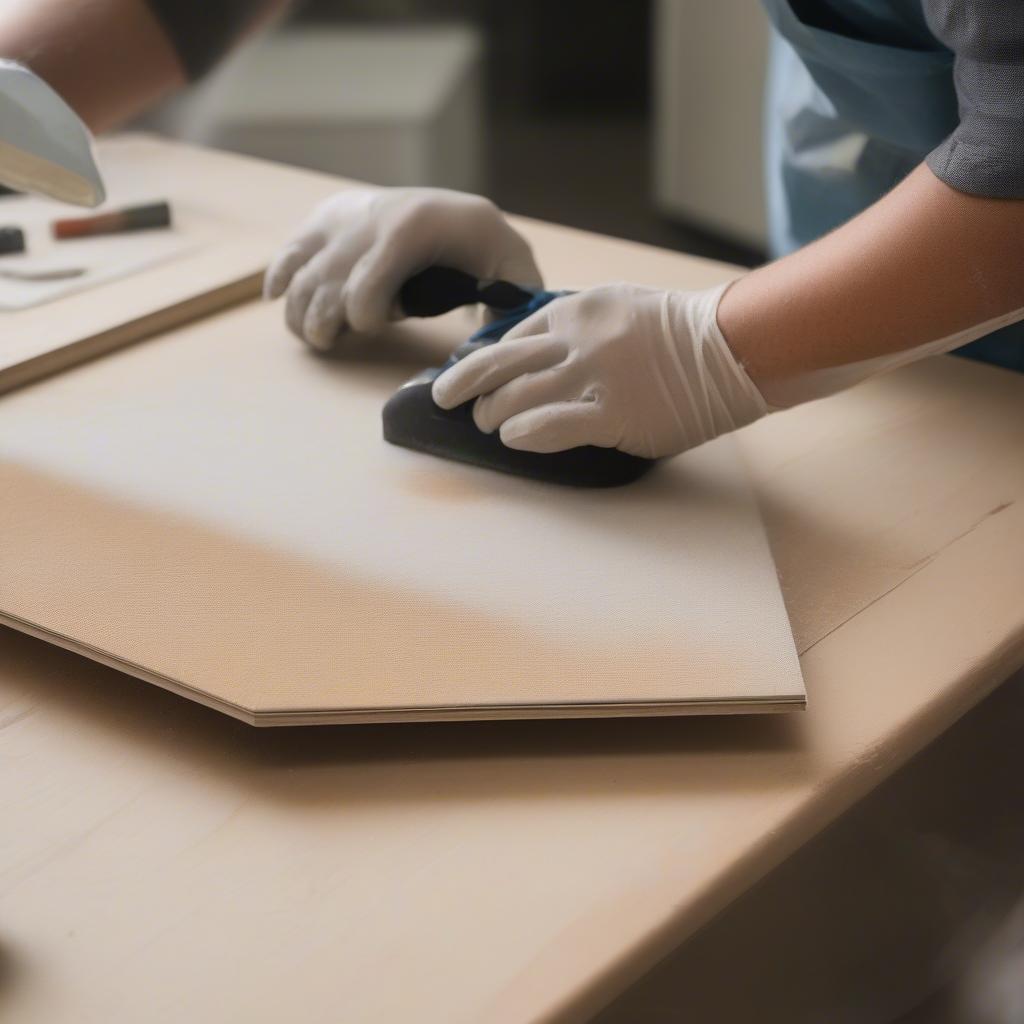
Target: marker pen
133, 218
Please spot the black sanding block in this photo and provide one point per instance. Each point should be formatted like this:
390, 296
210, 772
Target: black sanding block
413, 420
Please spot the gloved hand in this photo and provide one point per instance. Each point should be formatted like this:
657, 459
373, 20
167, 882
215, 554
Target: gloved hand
643, 370
346, 264
620, 366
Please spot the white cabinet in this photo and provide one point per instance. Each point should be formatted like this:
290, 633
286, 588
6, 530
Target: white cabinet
710, 58
394, 106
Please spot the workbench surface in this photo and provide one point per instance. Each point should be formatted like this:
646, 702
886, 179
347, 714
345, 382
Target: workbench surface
161, 862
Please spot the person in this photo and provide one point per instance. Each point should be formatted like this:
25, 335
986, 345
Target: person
113, 59
895, 169
896, 184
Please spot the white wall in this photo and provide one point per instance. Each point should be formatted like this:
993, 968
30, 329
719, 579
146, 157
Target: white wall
710, 58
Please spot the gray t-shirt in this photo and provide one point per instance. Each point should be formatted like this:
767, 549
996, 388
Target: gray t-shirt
202, 31
985, 154
985, 40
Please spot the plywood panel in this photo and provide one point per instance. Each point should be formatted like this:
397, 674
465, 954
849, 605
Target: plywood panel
160, 863
217, 512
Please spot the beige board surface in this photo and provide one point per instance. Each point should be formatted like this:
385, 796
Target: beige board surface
217, 511
135, 284
240, 532
160, 863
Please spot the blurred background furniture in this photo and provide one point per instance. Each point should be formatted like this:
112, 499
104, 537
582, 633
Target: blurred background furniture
638, 120
392, 105
709, 69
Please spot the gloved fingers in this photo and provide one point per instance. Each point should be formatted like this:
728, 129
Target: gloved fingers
528, 391
494, 365
470, 233
557, 427
535, 325
300, 293
294, 255
325, 315
332, 265
373, 288
378, 276
519, 266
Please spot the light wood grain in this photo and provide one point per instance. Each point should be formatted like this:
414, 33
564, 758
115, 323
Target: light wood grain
160, 862
216, 511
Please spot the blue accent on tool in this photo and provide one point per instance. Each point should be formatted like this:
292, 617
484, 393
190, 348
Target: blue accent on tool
413, 420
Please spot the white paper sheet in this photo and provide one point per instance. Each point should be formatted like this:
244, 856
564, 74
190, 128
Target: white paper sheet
104, 257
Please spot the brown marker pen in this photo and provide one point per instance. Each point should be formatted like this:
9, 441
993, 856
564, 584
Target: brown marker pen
133, 218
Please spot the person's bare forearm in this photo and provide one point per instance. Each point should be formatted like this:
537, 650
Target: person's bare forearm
922, 263
109, 59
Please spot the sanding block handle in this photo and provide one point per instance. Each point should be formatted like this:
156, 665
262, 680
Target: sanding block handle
439, 290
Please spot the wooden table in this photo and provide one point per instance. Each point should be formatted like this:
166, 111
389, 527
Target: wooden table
160, 862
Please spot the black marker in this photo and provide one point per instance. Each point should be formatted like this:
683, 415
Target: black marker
11, 240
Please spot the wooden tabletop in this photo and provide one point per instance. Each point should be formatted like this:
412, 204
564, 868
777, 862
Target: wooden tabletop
161, 862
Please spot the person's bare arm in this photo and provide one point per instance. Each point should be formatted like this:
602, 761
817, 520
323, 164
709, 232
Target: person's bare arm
109, 59
655, 372
924, 262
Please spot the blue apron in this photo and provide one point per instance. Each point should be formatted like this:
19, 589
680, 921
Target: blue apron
848, 116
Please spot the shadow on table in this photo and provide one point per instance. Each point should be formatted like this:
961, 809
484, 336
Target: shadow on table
401, 350
10, 972
408, 762
887, 907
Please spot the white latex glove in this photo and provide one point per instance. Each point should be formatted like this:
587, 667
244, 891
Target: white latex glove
812, 384
620, 366
642, 370
347, 263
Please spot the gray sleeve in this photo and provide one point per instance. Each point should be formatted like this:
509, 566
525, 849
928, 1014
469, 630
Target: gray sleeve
985, 155
202, 31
